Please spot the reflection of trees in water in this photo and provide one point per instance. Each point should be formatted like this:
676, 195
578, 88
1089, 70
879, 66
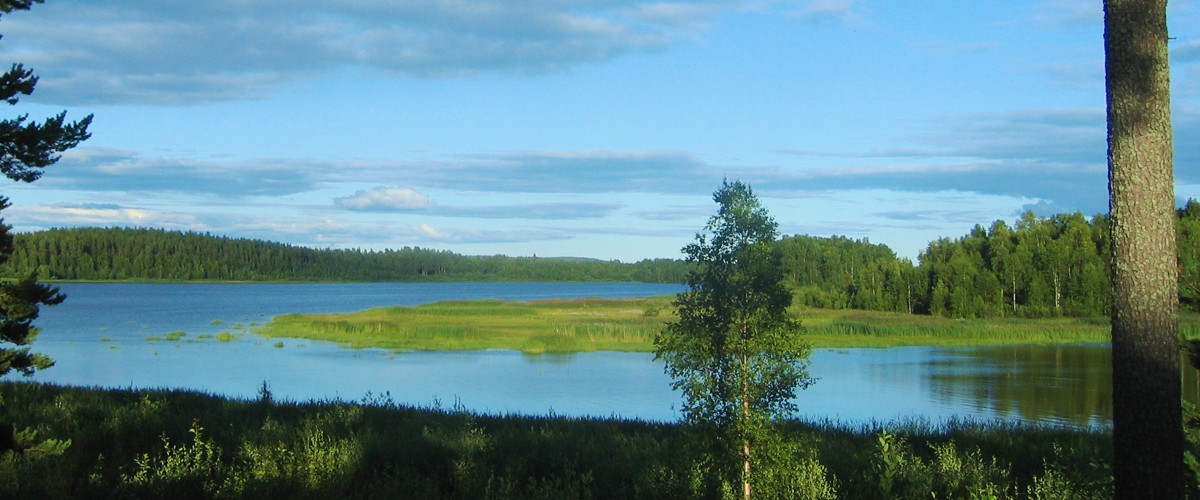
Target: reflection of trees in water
1061, 384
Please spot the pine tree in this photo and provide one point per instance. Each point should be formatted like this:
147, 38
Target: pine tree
25, 149
1147, 417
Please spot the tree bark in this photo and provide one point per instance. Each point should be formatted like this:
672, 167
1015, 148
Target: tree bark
1147, 418
745, 418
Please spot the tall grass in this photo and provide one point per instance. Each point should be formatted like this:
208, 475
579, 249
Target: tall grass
155, 444
582, 325
843, 328
576, 325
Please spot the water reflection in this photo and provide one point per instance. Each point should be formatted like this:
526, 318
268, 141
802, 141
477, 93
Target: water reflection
1049, 384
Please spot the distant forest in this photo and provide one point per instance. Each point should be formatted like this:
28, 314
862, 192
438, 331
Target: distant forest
155, 254
1040, 267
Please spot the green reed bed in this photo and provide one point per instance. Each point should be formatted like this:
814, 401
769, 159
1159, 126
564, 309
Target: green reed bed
576, 325
92, 443
583, 325
842, 328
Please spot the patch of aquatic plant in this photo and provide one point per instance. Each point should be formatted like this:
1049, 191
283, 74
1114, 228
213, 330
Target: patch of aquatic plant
172, 336
582, 325
539, 326
153, 444
226, 337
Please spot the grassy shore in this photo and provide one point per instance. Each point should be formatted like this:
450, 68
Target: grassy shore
91, 443
582, 325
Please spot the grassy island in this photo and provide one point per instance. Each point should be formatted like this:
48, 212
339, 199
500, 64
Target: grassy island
583, 325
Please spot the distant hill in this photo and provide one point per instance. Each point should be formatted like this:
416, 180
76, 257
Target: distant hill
156, 254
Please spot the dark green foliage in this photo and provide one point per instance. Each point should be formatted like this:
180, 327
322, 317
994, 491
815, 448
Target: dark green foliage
143, 444
7, 6
841, 273
1041, 267
25, 149
155, 254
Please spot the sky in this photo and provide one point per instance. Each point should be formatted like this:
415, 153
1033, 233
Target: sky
588, 128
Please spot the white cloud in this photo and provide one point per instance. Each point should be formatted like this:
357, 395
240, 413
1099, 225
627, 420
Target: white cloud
385, 199
36, 217
433, 232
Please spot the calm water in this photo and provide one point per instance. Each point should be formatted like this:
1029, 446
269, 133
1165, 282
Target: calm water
103, 336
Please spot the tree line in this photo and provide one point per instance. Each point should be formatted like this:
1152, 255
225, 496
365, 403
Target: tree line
156, 254
1035, 267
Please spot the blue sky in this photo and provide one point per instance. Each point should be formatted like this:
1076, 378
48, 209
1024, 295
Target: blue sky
591, 128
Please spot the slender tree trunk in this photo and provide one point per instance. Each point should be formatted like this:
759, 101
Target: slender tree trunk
1014, 294
746, 469
745, 419
1057, 294
1147, 418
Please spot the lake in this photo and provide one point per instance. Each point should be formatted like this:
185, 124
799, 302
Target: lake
119, 335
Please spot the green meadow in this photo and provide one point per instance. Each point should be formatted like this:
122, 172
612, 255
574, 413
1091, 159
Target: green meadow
584, 325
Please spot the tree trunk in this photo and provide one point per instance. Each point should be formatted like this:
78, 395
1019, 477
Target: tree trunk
745, 419
746, 469
1147, 418
1014, 295
1057, 294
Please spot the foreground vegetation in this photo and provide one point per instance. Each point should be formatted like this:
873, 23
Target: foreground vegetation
154, 444
584, 325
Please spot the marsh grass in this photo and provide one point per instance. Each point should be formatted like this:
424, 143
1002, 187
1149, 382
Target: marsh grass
583, 325
549, 326
154, 444
847, 328
169, 337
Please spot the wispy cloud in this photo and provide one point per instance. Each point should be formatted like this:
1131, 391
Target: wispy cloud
590, 172
531, 211
45, 216
1058, 13
385, 199
519, 172
831, 11
87, 169
153, 52
998, 154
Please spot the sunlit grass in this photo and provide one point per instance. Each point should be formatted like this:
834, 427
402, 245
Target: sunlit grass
550, 326
584, 325
848, 328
